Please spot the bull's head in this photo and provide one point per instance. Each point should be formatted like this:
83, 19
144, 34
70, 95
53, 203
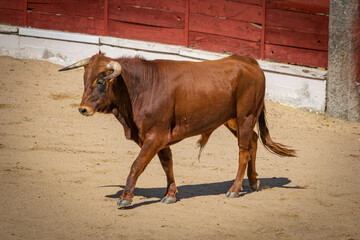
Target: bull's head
99, 73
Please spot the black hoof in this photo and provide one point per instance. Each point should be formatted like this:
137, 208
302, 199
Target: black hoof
168, 200
232, 195
123, 203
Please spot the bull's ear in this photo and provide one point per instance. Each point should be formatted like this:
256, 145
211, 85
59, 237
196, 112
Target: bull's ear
78, 64
101, 53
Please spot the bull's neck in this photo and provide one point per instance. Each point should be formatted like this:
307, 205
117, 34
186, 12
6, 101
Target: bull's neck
138, 75
121, 99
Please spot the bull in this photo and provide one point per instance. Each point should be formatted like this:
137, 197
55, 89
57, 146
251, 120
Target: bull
162, 102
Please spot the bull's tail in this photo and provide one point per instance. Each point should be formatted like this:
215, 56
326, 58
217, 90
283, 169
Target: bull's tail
202, 142
269, 144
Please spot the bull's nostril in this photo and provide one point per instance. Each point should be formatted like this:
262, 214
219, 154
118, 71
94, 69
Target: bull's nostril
83, 111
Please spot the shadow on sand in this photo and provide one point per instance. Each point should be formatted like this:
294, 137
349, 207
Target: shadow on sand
206, 189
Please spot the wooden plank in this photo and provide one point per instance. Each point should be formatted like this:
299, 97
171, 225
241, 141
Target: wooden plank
187, 19
227, 9
317, 3
25, 13
297, 21
223, 44
106, 17
78, 24
145, 33
11, 17
263, 28
252, 2
297, 7
298, 56
43, 1
170, 5
224, 27
86, 8
281, 36
12, 4
147, 16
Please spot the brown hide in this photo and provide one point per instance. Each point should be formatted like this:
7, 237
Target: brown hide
162, 102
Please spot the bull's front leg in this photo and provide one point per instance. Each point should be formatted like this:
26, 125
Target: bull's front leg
150, 148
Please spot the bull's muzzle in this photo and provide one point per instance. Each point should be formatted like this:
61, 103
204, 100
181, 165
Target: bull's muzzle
86, 111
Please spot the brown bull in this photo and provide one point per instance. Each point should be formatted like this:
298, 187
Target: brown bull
161, 102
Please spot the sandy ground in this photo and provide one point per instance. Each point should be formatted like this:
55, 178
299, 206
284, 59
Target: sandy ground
61, 173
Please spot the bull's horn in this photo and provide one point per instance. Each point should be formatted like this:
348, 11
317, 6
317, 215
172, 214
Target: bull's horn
78, 64
116, 67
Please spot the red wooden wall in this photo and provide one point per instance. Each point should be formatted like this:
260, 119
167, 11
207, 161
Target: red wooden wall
290, 31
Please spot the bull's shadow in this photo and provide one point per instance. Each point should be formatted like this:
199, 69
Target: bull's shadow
206, 189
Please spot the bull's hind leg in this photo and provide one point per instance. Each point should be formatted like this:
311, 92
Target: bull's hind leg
165, 157
245, 127
251, 171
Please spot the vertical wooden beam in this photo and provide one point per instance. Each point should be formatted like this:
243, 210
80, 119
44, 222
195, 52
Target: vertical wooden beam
263, 28
25, 19
187, 17
106, 12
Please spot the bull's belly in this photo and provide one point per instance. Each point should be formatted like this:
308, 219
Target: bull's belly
189, 128
202, 110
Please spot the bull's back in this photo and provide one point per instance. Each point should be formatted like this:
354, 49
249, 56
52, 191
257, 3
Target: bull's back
205, 94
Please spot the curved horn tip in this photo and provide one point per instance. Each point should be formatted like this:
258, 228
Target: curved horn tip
78, 64
66, 68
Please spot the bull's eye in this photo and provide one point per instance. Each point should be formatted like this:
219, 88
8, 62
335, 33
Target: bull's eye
100, 81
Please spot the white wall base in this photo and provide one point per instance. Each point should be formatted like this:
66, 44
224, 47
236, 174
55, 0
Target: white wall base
295, 91
296, 86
